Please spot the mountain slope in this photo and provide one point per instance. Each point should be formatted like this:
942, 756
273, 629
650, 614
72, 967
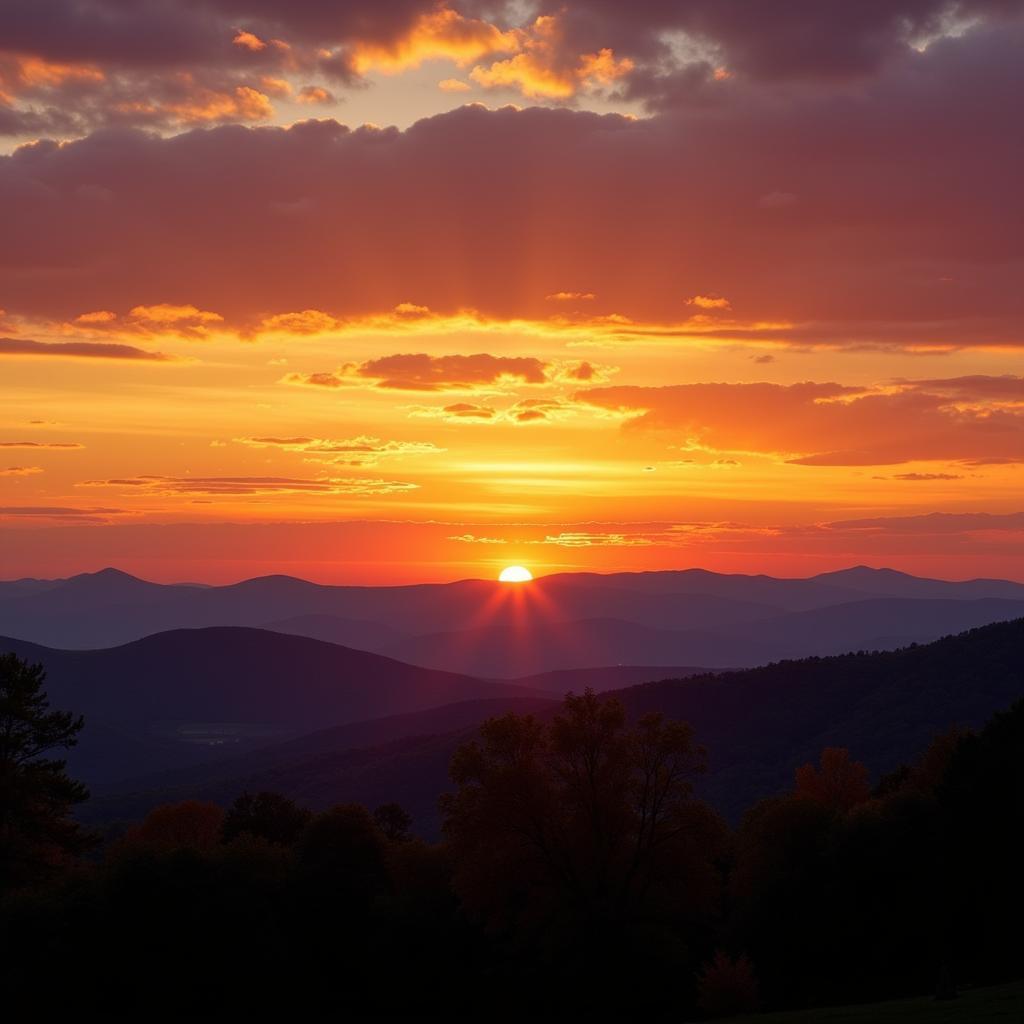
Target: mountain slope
503, 650
221, 684
759, 725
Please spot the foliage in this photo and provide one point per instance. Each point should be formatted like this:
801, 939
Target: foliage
394, 821
36, 793
579, 874
189, 825
583, 833
838, 783
268, 816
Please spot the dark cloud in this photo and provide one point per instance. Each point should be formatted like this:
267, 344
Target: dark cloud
77, 350
422, 372
900, 235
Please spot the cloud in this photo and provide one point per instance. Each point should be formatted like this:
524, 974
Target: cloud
454, 85
423, 372
549, 66
829, 424
315, 94
61, 445
974, 388
708, 302
457, 411
108, 63
20, 470
363, 450
592, 540
571, 297
934, 523
82, 515
927, 476
78, 350
227, 486
897, 238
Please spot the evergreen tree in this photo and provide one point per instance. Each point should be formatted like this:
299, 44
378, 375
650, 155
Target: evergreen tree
36, 794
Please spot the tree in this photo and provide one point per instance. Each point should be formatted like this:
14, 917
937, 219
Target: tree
579, 832
36, 793
394, 821
269, 816
839, 784
188, 825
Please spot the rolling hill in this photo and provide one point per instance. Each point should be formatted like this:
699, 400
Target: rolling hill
218, 687
758, 725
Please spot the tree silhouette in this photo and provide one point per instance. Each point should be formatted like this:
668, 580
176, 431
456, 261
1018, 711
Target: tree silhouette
394, 821
36, 794
839, 784
188, 825
267, 815
577, 831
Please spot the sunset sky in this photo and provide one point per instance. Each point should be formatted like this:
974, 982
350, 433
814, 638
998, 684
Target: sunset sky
384, 292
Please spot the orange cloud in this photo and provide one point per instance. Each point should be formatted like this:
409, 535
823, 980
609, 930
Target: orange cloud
307, 321
423, 372
77, 515
357, 451
456, 412
481, 371
98, 316
251, 485
545, 70
708, 302
249, 41
60, 445
315, 94
34, 72
831, 424
20, 470
78, 350
204, 106
454, 85
165, 313
441, 33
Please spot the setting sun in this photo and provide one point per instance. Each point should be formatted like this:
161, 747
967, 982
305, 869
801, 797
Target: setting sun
515, 574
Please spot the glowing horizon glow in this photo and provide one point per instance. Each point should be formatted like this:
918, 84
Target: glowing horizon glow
515, 574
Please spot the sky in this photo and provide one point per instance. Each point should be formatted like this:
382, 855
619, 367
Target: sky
393, 292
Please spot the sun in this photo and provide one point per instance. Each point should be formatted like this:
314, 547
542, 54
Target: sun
515, 574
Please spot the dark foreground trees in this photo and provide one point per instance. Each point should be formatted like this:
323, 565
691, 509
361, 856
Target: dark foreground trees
579, 874
581, 838
36, 794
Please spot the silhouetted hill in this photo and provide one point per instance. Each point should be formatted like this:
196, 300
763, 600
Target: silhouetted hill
332, 629
108, 608
759, 725
877, 624
509, 650
890, 583
600, 680
226, 685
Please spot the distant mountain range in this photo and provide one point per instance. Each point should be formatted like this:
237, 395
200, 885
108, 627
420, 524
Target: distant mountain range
759, 725
559, 622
